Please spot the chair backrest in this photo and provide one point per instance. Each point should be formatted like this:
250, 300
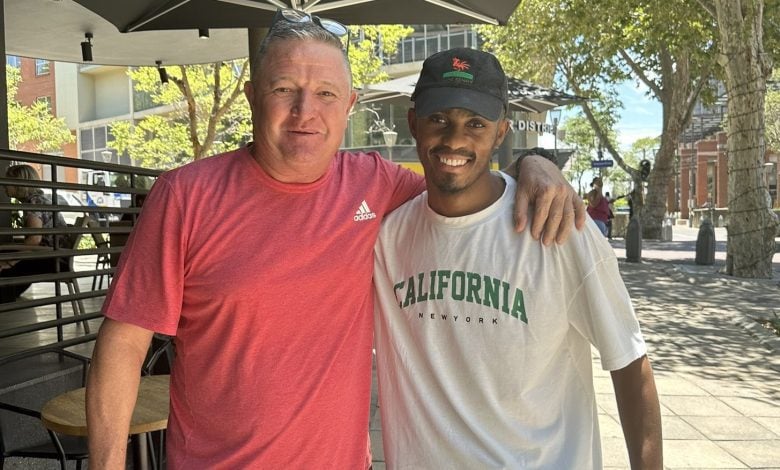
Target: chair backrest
28, 380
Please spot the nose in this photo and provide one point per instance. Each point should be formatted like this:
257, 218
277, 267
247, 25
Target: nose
303, 105
454, 137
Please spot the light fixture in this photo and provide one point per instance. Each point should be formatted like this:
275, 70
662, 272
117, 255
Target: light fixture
163, 73
86, 48
203, 33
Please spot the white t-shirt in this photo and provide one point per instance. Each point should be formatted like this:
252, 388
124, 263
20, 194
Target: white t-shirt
483, 340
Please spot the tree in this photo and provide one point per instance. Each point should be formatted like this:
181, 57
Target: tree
206, 108
752, 226
33, 128
580, 134
367, 51
665, 45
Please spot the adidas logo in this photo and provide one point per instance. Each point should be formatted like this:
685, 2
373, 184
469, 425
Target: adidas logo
364, 213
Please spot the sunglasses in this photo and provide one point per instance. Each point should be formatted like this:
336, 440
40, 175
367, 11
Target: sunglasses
296, 16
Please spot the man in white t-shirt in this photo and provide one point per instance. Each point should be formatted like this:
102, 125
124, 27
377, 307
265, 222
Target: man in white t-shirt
483, 337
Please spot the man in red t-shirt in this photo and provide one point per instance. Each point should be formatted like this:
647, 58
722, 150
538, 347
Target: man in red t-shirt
259, 262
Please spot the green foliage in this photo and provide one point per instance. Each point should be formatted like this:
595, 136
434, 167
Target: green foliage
364, 52
579, 134
33, 126
208, 114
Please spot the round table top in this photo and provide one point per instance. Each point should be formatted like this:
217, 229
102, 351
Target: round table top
66, 413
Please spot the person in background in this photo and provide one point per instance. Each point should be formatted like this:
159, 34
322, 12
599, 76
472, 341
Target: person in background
611, 203
598, 206
267, 288
483, 337
31, 219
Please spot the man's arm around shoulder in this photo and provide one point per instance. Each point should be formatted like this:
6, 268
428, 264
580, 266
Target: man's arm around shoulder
640, 414
112, 389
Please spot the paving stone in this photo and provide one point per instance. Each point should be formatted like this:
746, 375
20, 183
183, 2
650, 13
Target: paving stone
755, 454
697, 406
691, 454
731, 428
675, 427
750, 406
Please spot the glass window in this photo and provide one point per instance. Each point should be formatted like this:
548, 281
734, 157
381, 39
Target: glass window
86, 139
100, 137
13, 61
41, 67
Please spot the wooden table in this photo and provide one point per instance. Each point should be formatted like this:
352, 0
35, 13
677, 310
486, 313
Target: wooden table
66, 414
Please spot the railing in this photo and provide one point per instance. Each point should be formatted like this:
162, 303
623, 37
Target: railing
33, 317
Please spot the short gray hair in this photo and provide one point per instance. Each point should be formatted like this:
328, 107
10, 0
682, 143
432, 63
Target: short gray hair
305, 31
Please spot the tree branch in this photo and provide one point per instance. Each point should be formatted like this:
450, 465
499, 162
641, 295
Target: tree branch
709, 7
639, 72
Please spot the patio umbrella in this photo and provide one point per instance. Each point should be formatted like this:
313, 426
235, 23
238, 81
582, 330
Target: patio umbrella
523, 95
147, 15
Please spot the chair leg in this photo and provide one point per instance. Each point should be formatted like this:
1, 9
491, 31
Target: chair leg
78, 305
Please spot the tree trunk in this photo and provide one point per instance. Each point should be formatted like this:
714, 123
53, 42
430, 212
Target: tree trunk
751, 228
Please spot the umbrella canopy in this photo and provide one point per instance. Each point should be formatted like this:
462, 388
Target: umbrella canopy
523, 95
54, 30
149, 15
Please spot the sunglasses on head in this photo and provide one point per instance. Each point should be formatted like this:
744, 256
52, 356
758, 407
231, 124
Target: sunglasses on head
296, 16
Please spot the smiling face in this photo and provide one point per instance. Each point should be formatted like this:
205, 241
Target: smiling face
300, 102
454, 147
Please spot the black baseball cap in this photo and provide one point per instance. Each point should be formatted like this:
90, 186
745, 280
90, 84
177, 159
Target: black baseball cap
461, 78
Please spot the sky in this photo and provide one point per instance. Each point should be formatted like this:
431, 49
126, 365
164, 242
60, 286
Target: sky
640, 117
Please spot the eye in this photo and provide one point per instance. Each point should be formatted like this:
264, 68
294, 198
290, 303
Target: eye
437, 118
477, 124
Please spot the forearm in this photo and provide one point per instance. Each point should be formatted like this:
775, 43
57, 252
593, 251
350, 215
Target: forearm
112, 388
640, 414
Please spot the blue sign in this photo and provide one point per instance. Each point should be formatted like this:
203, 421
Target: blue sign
601, 163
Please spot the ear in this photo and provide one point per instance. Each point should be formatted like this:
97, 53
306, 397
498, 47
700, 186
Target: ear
352, 100
503, 128
249, 92
411, 119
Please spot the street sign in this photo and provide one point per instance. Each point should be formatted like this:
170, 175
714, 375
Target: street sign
601, 163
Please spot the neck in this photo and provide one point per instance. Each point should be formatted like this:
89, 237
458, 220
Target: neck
462, 203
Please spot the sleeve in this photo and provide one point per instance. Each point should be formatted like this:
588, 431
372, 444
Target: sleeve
601, 308
147, 289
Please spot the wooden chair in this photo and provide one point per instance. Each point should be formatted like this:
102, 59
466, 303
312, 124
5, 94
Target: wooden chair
27, 381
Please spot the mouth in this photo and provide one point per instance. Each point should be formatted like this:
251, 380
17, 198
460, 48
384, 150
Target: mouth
452, 161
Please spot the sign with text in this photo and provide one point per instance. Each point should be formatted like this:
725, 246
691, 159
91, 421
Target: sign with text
601, 163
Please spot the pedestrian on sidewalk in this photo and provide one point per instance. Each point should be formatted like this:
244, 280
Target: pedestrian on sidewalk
598, 205
483, 337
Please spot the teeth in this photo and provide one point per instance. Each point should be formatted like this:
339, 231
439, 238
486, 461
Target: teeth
452, 162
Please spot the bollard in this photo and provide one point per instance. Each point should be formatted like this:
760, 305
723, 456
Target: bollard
705, 243
666, 230
634, 240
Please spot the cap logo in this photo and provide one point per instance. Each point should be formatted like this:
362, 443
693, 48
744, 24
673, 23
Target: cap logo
459, 68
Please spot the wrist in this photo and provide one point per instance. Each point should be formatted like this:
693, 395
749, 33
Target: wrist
536, 151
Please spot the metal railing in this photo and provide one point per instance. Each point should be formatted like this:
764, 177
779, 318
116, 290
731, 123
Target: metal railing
27, 316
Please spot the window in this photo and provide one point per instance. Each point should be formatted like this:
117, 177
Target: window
94, 141
13, 61
42, 67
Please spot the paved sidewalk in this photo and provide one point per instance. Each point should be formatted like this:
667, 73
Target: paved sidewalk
717, 370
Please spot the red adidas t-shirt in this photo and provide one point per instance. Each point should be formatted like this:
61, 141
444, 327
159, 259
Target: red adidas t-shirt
267, 288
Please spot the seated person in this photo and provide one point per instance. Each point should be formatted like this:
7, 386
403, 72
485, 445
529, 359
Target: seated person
31, 219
